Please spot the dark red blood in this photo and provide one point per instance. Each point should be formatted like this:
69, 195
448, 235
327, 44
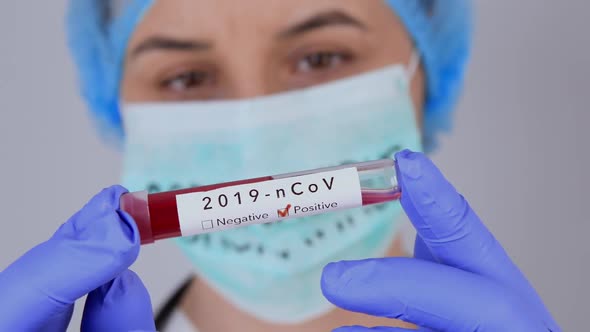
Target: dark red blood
374, 198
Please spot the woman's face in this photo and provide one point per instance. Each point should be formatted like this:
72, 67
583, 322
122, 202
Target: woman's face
225, 49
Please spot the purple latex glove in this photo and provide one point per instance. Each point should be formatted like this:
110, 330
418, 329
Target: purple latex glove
461, 279
89, 254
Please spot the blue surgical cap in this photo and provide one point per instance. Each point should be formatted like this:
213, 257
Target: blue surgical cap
99, 30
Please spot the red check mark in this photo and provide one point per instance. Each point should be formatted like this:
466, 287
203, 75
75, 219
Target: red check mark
284, 212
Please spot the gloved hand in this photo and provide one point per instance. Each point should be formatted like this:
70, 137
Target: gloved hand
89, 254
461, 280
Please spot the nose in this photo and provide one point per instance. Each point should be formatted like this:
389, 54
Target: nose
249, 86
249, 79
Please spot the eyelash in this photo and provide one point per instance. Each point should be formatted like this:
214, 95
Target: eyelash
318, 62
186, 79
322, 61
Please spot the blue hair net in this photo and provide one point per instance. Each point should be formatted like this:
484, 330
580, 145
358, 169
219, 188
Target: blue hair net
99, 30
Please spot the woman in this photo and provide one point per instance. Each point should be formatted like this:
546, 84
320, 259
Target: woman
201, 92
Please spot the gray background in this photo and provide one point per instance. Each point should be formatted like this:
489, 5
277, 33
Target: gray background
519, 150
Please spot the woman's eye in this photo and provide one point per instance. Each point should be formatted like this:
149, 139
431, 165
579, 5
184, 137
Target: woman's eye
321, 61
186, 81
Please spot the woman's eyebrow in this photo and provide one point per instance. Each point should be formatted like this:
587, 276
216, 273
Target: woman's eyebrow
168, 43
321, 20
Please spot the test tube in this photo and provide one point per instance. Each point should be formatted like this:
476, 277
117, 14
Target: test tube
261, 200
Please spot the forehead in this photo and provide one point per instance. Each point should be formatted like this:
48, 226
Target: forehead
236, 17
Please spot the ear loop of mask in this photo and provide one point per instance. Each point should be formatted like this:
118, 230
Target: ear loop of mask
411, 70
413, 65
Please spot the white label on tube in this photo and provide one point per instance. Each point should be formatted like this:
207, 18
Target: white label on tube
268, 201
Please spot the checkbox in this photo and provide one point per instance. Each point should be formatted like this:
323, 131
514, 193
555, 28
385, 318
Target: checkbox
283, 213
207, 224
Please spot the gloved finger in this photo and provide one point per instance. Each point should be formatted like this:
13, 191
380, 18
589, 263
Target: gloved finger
378, 329
60, 321
447, 224
427, 294
421, 251
120, 305
90, 249
452, 231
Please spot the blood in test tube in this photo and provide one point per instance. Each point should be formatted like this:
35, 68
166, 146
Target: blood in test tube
157, 215
370, 197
